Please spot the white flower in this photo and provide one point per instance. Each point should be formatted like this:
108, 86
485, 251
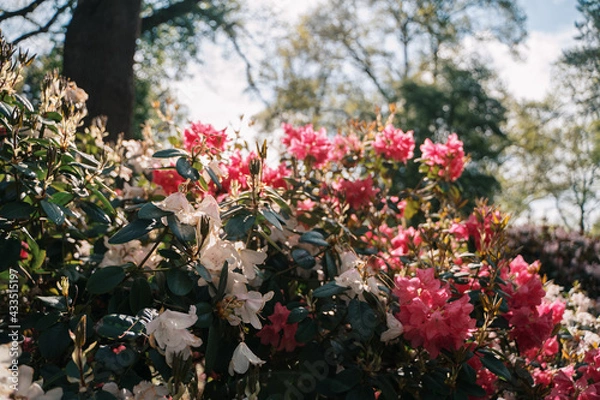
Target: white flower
395, 328
176, 203
120, 394
29, 390
242, 358
253, 304
169, 330
250, 259
148, 391
215, 252
349, 260
132, 251
351, 279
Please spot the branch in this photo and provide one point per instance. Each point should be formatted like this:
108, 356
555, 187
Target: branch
21, 12
45, 28
167, 14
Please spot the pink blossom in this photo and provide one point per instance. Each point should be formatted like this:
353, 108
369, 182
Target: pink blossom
346, 150
168, 179
279, 333
358, 194
204, 137
306, 144
394, 144
445, 160
404, 240
429, 318
274, 177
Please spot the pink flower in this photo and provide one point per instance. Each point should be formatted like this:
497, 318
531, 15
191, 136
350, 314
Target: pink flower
445, 160
402, 242
346, 150
394, 144
279, 333
429, 318
306, 144
274, 177
168, 179
358, 194
204, 137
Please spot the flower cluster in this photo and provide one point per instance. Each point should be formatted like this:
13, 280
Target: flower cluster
394, 144
445, 160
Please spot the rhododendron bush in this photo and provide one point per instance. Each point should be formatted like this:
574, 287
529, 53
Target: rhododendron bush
199, 270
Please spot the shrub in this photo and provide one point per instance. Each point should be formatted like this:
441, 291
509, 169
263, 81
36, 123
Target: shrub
233, 279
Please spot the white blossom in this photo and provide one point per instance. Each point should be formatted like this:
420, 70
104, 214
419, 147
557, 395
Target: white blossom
394, 330
29, 390
169, 330
242, 358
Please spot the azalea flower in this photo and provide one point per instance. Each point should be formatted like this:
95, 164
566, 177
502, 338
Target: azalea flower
394, 144
253, 304
394, 330
29, 390
169, 331
242, 358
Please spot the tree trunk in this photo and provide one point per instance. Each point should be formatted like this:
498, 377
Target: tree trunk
100, 43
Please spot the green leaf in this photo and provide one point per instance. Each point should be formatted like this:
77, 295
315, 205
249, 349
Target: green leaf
53, 116
103, 280
62, 198
223, 281
272, 218
329, 289
203, 272
237, 227
95, 213
185, 169
54, 212
16, 210
495, 366
10, 249
24, 101
57, 302
212, 346
362, 318
168, 153
140, 295
434, 382
214, 177
204, 311
303, 258
179, 282
54, 341
119, 326
134, 230
314, 237
104, 201
183, 232
150, 211
297, 314
307, 330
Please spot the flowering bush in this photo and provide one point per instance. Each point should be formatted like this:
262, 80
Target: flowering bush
198, 271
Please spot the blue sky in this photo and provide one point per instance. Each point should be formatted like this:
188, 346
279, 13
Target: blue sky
550, 15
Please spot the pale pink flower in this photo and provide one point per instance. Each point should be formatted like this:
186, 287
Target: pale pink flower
394, 330
170, 332
27, 389
242, 358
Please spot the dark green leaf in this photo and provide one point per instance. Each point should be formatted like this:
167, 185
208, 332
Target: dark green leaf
57, 302
140, 295
212, 347
203, 272
362, 318
62, 198
185, 233
237, 227
119, 326
95, 213
329, 289
213, 177
307, 330
297, 315
104, 201
185, 169
204, 311
435, 382
103, 280
54, 341
272, 218
53, 116
495, 366
10, 249
314, 237
54, 212
24, 101
223, 281
16, 210
134, 230
150, 211
303, 258
168, 153
179, 282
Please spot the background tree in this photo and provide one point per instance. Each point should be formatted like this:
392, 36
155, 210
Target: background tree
346, 56
109, 44
556, 143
